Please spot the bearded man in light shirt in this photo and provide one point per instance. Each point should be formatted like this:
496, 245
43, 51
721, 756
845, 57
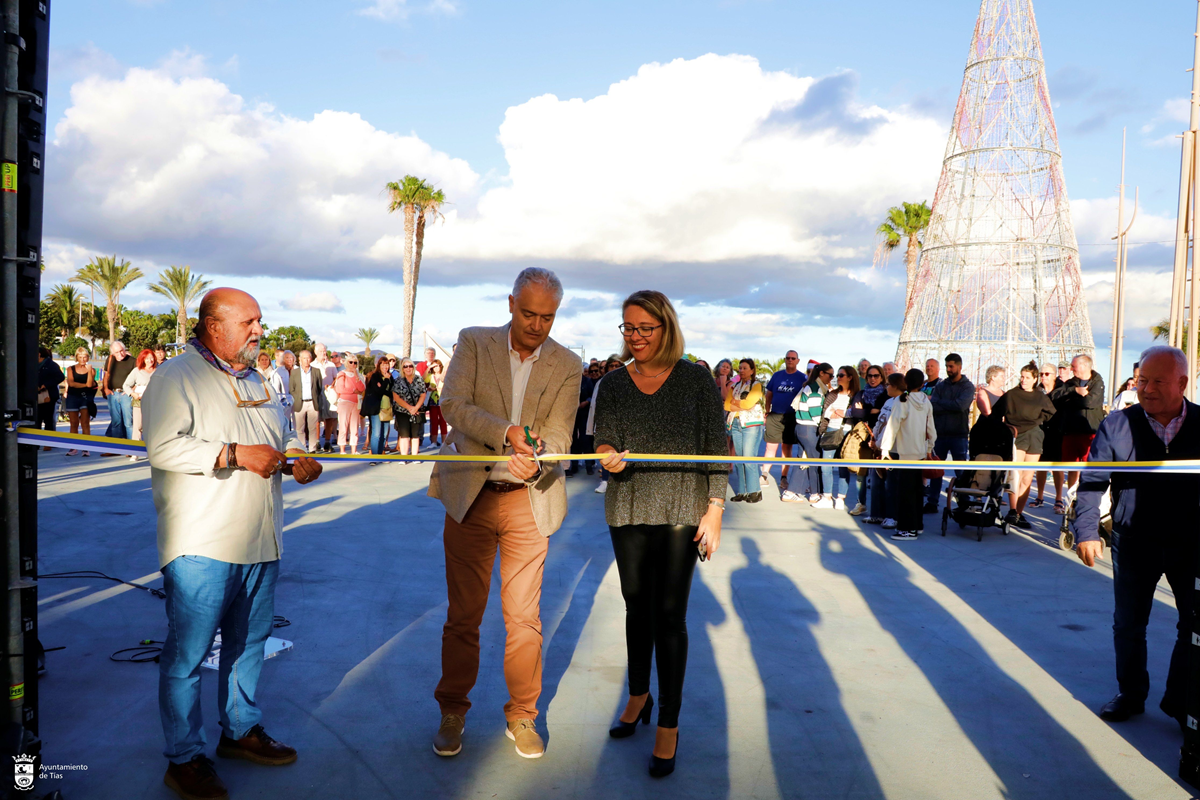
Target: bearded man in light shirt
216, 437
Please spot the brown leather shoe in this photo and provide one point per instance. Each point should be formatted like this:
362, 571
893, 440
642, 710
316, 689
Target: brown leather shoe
196, 780
529, 744
448, 741
258, 747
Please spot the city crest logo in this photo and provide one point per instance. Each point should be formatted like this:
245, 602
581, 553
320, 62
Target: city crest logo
23, 772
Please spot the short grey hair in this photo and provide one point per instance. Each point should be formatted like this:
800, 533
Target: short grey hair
541, 276
1180, 357
1085, 358
992, 371
116, 344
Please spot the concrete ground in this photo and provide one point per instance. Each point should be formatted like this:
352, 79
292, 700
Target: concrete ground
826, 660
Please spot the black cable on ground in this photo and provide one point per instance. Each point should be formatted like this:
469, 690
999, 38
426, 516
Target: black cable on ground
147, 651
91, 573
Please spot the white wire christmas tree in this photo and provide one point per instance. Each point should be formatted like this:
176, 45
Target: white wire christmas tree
999, 280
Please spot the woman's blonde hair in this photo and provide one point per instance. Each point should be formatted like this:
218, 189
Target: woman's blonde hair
83, 350
658, 306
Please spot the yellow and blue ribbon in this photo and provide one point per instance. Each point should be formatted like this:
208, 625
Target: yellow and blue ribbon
129, 447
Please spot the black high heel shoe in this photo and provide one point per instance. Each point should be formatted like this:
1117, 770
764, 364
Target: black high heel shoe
624, 730
662, 767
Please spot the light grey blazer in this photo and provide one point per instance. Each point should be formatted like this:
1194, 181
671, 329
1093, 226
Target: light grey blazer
477, 400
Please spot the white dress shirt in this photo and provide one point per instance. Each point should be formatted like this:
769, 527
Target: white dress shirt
520, 381
305, 384
189, 412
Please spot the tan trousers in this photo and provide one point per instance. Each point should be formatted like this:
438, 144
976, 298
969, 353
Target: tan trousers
308, 419
501, 522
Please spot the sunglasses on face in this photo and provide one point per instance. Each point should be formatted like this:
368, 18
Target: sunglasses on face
1047, 373
874, 375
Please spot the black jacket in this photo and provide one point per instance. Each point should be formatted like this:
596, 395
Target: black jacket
951, 401
49, 376
1080, 414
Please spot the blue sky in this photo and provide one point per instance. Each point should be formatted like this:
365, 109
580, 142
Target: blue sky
433, 84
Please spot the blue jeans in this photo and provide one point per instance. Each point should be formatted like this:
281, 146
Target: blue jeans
379, 433
203, 595
833, 476
807, 436
956, 446
120, 414
745, 443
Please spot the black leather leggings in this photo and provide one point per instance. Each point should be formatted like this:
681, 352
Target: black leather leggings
656, 563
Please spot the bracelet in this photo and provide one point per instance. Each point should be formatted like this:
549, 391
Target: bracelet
712, 501
231, 455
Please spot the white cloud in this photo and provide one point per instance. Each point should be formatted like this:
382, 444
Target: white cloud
700, 160
180, 169
389, 10
316, 301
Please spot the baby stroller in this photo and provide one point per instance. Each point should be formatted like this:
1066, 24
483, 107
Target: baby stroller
974, 498
1066, 536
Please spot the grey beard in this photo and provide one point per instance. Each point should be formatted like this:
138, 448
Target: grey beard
248, 354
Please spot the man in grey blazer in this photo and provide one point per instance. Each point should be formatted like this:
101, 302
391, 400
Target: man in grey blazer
502, 381
305, 385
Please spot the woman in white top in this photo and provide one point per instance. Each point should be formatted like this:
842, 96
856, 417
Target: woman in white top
135, 384
833, 417
909, 435
270, 374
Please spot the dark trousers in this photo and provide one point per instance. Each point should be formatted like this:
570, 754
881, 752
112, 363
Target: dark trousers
1138, 563
581, 443
656, 563
908, 499
956, 447
47, 419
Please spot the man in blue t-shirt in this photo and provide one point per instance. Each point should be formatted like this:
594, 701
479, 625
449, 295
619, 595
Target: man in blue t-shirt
781, 419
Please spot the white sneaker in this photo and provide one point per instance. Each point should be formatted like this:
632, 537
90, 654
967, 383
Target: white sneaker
602, 488
889, 524
839, 503
133, 458
858, 510
791, 497
873, 520
824, 502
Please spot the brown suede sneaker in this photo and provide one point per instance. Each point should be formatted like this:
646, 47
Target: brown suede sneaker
195, 780
258, 747
529, 744
448, 741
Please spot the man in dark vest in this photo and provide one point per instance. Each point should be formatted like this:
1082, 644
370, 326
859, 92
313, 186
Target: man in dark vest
1155, 519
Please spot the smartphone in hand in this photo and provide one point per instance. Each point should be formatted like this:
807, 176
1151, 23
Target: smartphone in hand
702, 547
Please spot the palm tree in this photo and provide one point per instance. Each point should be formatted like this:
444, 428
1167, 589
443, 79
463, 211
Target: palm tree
367, 336
1162, 330
63, 298
418, 200
105, 275
906, 220
183, 289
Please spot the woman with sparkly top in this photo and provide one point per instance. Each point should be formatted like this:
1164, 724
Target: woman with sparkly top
660, 515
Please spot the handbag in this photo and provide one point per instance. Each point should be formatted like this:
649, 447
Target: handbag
830, 439
43, 395
859, 442
385, 409
932, 474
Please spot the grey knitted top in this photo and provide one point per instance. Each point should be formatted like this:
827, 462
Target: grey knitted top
685, 417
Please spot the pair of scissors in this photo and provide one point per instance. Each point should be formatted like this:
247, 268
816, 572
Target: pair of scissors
529, 440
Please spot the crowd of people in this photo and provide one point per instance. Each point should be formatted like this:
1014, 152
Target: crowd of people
871, 411
329, 399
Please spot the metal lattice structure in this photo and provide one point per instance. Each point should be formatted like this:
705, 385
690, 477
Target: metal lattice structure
999, 280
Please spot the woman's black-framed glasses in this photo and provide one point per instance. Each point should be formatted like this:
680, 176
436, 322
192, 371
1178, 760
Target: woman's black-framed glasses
644, 331
874, 375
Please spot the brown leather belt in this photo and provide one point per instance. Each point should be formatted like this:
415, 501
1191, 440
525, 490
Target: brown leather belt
502, 487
